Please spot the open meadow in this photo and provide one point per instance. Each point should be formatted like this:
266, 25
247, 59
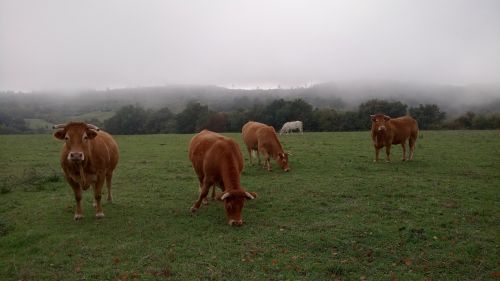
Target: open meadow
335, 216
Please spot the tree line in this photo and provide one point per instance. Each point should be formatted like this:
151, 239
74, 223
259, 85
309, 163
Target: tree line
134, 119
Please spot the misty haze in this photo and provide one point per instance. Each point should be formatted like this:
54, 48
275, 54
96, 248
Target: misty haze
97, 56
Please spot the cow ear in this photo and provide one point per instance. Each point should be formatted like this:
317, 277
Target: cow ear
91, 134
59, 134
372, 117
251, 195
387, 118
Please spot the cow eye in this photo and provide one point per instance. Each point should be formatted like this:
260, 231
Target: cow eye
85, 138
66, 138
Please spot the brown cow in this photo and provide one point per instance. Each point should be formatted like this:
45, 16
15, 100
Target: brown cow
88, 157
263, 139
387, 131
217, 160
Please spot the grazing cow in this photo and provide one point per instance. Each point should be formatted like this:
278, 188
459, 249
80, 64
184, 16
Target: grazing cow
291, 126
263, 139
387, 131
88, 157
217, 160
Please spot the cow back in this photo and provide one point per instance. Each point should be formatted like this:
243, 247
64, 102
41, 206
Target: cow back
249, 133
267, 138
211, 154
397, 131
403, 128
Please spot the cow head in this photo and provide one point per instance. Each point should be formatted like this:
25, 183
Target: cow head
233, 203
76, 135
282, 160
379, 122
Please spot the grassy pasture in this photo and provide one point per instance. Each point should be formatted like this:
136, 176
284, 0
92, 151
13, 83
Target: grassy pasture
335, 216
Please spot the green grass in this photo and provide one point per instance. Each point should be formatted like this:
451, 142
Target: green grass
335, 216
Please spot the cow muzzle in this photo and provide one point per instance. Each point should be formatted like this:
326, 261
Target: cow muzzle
381, 128
235, 222
76, 156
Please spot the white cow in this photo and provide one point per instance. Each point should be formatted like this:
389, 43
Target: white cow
291, 126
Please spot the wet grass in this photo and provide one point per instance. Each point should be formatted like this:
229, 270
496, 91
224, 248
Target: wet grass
335, 216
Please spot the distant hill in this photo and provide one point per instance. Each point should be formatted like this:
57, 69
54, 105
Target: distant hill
53, 107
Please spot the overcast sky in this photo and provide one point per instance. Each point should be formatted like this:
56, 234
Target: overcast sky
70, 44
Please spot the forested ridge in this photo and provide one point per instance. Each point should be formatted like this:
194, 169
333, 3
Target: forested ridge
187, 109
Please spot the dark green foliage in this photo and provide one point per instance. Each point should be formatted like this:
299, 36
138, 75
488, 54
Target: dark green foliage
160, 121
376, 106
128, 120
280, 111
11, 125
193, 118
428, 116
471, 120
318, 111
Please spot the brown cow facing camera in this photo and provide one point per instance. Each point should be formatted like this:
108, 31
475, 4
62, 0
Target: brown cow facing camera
217, 160
387, 131
263, 139
88, 157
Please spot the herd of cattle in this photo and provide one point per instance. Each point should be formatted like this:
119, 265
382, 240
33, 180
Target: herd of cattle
89, 156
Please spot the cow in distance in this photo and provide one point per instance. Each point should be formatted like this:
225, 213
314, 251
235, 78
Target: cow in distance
292, 126
387, 131
262, 139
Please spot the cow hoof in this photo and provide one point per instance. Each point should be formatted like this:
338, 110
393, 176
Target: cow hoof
78, 217
99, 215
205, 202
193, 209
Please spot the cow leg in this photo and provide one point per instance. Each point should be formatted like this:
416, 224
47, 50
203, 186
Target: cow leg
412, 148
267, 160
204, 189
97, 196
377, 151
213, 193
403, 145
109, 176
77, 190
268, 164
205, 200
388, 153
258, 157
250, 155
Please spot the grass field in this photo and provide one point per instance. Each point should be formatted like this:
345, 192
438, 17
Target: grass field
335, 216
